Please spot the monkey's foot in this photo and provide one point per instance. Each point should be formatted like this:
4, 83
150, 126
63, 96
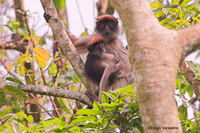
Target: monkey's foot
92, 96
46, 17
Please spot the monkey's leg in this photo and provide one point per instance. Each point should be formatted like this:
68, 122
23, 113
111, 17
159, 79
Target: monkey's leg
91, 95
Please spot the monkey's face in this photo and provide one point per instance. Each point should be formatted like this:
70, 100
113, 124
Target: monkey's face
96, 48
107, 27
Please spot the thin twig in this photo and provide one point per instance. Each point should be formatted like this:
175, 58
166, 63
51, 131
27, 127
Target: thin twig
53, 103
41, 105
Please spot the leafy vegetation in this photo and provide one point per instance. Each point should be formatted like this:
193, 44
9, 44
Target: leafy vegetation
113, 114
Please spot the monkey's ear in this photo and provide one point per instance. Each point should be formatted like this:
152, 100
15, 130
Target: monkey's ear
116, 19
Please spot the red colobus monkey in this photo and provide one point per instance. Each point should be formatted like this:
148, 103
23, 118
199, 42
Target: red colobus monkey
97, 60
117, 73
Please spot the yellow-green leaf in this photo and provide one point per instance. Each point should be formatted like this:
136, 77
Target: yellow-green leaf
23, 58
175, 2
85, 33
196, 19
156, 5
42, 53
166, 20
21, 70
159, 13
52, 69
41, 62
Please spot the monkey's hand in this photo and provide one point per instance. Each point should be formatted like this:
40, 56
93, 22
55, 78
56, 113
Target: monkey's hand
113, 77
46, 17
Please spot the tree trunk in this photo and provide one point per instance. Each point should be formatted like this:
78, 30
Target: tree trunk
155, 63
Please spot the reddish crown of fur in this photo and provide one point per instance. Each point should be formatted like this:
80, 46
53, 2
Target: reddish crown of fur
95, 40
106, 18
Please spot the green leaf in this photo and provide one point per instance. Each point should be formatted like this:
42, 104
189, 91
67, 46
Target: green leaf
52, 69
105, 105
128, 88
26, 36
30, 118
173, 11
195, 130
156, 5
184, 2
166, 20
190, 91
21, 114
2, 97
178, 83
14, 80
104, 98
89, 112
175, 2
181, 74
97, 106
183, 89
198, 115
138, 124
111, 95
159, 14
190, 8
183, 112
124, 96
14, 90
122, 120
62, 3
25, 129
83, 119
42, 41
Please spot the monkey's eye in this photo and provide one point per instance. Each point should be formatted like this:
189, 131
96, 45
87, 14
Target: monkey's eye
111, 25
102, 25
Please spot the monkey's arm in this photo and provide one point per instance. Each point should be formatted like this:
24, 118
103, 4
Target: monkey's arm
79, 42
122, 69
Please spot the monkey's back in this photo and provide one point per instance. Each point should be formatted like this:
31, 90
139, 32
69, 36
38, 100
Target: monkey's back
94, 68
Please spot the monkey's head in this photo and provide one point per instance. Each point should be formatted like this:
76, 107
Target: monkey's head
96, 45
107, 27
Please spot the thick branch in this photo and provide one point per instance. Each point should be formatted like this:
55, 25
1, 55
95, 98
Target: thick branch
64, 40
189, 39
191, 78
14, 45
44, 90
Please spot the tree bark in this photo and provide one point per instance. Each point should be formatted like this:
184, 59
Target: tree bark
44, 90
155, 54
64, 41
